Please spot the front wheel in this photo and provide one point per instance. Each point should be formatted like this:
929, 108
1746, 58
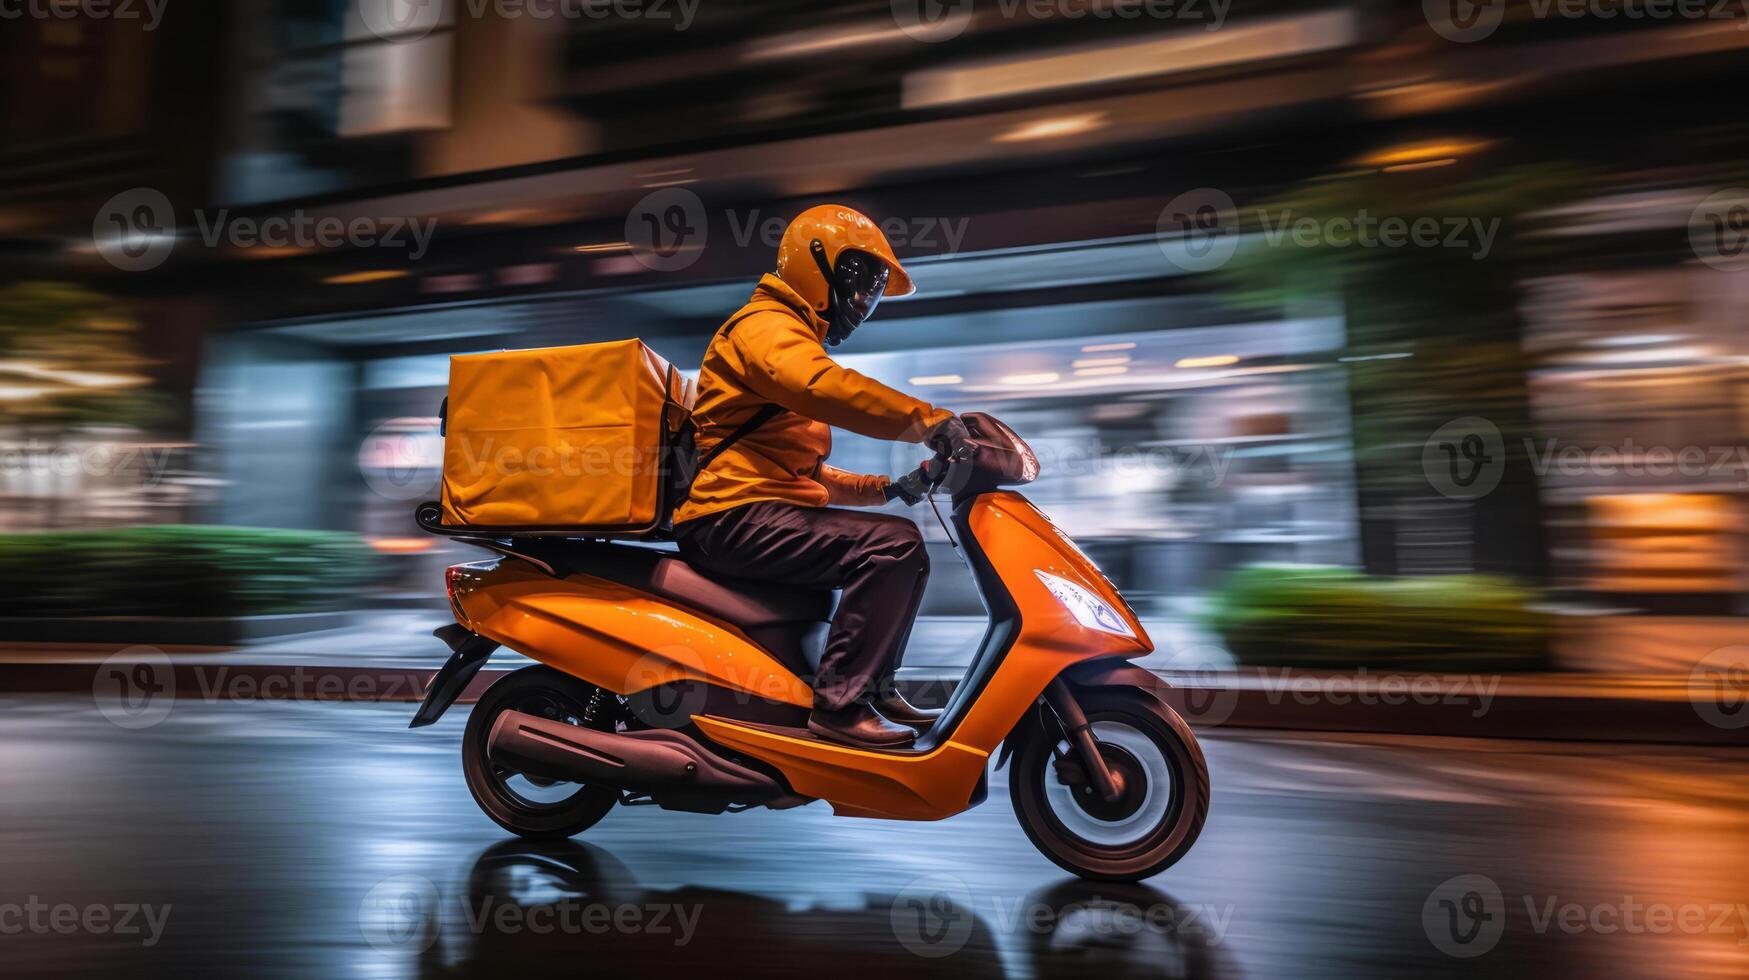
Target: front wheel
1163, 798
532, 807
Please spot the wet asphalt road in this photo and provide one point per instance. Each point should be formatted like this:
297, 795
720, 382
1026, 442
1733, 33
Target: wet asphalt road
327, 840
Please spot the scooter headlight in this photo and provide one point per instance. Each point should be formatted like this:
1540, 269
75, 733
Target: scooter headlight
1088, 609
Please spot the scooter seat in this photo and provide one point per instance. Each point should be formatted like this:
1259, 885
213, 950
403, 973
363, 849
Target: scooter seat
740, 601
749, 605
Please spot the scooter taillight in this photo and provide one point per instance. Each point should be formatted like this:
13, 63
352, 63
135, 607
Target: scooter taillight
451, 577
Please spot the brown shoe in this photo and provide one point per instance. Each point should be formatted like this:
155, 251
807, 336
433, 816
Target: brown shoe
859, 726
894, 707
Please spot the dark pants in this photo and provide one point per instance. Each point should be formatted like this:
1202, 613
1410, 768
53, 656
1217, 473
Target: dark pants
878, 560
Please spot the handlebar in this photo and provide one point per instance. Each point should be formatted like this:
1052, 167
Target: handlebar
940, 468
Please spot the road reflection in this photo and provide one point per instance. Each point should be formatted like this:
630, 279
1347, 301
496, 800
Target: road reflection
572, 909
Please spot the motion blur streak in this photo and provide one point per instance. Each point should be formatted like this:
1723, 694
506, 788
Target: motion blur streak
1377, 352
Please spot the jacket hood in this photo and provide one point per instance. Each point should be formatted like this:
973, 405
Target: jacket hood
773, 288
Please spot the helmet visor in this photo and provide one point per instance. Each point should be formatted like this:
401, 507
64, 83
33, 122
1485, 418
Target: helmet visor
860, 280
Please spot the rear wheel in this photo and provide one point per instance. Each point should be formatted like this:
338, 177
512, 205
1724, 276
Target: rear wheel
1163, 798
531, 807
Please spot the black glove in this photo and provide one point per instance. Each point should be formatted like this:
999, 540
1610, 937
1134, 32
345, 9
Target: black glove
948, 436
911, 488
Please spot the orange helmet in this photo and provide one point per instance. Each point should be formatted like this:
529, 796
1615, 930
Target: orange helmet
813, 242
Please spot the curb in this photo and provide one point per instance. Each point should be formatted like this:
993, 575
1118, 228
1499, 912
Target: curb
1327, 703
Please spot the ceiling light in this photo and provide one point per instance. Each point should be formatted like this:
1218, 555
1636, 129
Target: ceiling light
1096, 348
1053, 128
923, 380
1356, 358
374, 275
1094, 362
1430, 152
1039, 378
604, 247
1094, 372
1217, 360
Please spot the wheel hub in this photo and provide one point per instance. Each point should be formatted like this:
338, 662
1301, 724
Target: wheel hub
1129, 776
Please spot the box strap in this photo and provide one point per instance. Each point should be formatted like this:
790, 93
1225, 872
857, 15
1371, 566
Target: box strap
765, 414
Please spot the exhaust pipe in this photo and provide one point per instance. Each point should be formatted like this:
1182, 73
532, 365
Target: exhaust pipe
675, 770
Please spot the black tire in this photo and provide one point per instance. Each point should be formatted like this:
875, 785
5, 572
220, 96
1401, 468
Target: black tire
549, 693
1155, 844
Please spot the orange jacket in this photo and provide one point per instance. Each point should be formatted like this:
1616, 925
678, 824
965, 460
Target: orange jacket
775, 353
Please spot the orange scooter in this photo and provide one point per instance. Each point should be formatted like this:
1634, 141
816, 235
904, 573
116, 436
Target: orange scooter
663, 686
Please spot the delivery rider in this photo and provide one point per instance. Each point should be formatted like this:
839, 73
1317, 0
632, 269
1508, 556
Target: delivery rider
762, 508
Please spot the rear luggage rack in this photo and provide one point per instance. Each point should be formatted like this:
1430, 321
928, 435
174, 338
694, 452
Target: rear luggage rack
429, 515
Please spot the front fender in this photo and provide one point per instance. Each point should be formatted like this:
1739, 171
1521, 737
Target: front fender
1085, 675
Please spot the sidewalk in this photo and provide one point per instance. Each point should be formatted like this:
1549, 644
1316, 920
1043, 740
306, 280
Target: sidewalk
394, 658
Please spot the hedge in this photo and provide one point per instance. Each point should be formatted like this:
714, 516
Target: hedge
1335, 618
175, 570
